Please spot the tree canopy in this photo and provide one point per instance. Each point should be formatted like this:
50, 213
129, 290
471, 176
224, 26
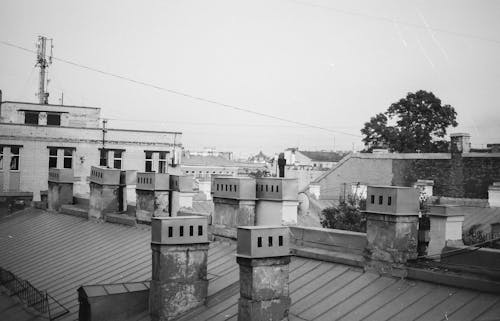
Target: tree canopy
416, 123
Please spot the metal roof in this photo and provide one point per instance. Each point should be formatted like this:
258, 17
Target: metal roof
59, 253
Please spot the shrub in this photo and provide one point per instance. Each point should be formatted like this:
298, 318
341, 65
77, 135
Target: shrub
346, 216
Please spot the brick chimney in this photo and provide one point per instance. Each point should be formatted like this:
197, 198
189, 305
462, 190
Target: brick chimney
459, 143
263, 256
391, 228
179, 279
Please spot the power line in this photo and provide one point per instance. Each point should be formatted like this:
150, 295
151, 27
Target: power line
179, 93
206, 123
392, 21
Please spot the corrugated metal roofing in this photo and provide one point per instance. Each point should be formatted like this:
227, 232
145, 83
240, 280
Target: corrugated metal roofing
327, 291
59, 253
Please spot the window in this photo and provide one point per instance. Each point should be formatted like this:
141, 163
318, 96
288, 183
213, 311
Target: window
170, 231
68, 158
117, 161
53, 119
52, 157
181, 230
269, 241
200, 229
156, 161
1, 157
191, 230
380, 200
259, 241
372, 199
280, 240
149, 161
162, 162
31, 117
389, 200
14, 159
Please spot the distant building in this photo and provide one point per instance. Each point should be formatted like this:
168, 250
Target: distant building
35, 137
203, 167
315, 159
260, 158
462, 173
209, 151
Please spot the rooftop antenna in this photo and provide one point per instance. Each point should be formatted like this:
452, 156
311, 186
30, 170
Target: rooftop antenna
43, 63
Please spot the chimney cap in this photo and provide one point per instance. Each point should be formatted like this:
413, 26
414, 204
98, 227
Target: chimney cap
263, 241
179, 230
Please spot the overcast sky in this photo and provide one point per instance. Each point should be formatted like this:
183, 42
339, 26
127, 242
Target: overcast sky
331, 64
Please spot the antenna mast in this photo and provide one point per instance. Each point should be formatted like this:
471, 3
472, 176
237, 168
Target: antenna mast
43, 63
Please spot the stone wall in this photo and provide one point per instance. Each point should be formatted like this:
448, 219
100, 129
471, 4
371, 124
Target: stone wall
461, 176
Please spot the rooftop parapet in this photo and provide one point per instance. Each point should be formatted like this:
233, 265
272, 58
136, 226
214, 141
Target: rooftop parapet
262, 241
179, 230
275, 188
61, 175
153, 181
392, 200
105, 176
242, 188
181, 183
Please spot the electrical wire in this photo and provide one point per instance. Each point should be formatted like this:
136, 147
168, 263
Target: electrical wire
190, 96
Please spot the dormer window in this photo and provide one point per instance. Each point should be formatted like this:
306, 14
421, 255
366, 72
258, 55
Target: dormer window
31, 117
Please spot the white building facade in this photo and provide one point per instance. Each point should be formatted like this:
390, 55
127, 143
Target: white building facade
35, 137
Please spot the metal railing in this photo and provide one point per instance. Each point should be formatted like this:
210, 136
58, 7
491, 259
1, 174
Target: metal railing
31, 296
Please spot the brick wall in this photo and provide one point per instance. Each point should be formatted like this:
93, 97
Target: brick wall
461, 177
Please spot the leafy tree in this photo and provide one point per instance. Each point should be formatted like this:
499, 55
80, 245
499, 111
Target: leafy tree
420, 122
346, 216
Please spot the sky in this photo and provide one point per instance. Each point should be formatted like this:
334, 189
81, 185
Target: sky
199, 66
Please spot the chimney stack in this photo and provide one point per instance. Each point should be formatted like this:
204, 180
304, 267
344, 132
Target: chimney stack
263, 256
179, 279
391, 228
459, 143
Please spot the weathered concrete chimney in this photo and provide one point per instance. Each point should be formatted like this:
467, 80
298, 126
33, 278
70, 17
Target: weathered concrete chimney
179, 279
152, 196
234, 204
391, 228
205, 187
425, 186
277, 201
460, 143
181, 194
104, 192
263, 256
494, 195
60, 189
128, 183
446, 227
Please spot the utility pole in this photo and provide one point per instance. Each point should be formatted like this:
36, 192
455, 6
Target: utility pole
43, 63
